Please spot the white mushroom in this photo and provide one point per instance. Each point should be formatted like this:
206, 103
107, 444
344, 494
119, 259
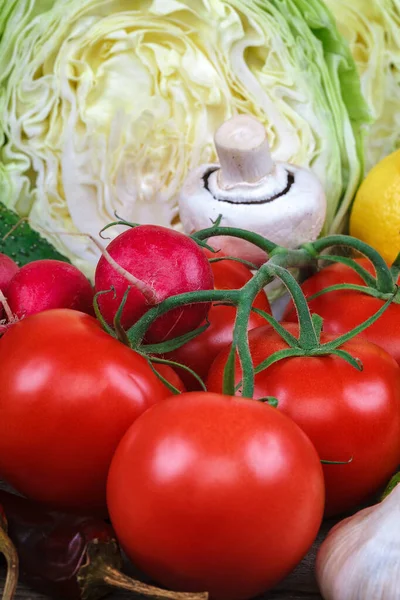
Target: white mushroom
280, 201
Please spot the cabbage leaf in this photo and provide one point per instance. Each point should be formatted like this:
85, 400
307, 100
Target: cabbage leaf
372, 29
105, 105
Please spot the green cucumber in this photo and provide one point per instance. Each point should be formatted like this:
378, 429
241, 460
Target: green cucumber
23, 244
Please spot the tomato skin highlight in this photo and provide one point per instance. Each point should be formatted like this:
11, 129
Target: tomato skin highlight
199, 353
347, 414
209, 492
343, 310
69, 393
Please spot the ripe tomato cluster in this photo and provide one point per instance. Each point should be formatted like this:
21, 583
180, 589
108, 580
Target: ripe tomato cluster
206, 490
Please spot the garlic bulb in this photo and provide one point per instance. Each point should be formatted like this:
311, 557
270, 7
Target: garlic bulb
280, 201
360, 558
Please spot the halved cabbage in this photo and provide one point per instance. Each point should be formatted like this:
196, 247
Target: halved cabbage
106, 104
372, 28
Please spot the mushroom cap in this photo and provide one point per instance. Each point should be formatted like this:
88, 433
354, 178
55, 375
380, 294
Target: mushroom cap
288, 207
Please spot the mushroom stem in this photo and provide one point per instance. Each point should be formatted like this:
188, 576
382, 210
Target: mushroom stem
243, 151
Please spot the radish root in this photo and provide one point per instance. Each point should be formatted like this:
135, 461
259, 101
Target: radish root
11, 318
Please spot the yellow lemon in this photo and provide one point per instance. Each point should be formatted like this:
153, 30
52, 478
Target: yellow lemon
375, 216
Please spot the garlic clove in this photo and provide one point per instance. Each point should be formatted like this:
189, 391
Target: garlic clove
360, 557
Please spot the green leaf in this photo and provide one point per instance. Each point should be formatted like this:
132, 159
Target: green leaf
346, 106
363, 23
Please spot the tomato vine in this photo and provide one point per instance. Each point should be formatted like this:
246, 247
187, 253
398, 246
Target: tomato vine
280, 259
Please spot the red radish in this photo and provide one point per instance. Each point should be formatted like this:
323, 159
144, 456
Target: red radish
44, 284
165, 263
8, 268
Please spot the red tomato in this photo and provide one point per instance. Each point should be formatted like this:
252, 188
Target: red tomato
69, 393
346, 413
208, 492
199, 353
345, 309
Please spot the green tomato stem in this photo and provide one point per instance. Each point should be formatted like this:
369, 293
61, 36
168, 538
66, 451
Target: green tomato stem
241, 341
368, 279
165, 381
339, 341
290, 339
280, 259
308, 338
249, 236
114, 223
368, 291
384, 280
173, 363
98, 313
395, 268
228, 380
137, 332
175, 343
246, 263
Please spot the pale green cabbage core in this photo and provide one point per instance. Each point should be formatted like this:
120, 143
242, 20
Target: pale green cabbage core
106, 105
372, 28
